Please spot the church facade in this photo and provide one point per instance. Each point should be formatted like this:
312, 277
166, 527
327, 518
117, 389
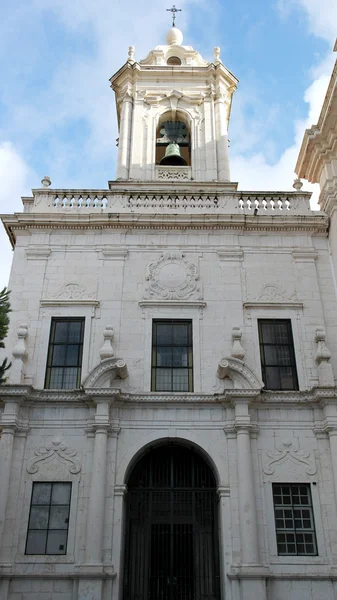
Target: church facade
169, 422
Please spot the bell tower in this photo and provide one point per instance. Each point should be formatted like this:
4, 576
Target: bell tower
173, 110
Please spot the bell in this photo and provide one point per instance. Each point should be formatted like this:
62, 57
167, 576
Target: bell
172, 156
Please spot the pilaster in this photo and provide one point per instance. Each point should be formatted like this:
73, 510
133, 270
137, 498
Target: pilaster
124, 137
91, 588
250, 575
221, 138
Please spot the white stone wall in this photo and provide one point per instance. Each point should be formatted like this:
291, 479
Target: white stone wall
241, 278
110, 277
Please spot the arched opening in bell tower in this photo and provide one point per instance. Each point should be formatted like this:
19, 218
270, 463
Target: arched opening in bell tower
171, 545
173, 140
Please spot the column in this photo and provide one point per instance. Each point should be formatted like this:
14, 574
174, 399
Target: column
221, 139
97, 498
120, 492
226, 550
91, 581
333, 451
124, 138
251, 574
9, 424
329, 406
247, 505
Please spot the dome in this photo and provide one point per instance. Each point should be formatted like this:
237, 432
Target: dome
174, 37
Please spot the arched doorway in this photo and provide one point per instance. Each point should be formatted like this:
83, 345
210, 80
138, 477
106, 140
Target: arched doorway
171, 545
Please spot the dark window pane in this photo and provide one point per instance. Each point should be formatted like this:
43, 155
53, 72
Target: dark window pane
270, 355
286, 379
39, 517
180, 380
272, 378
70, 378
59, 353
59, 517
180, 335
268, 333
163, 380
36, 542
61, 332
164, 335
61, 493
75, 332
41, 493
57, 542
180, 357
56, 378
164, 356
72, 355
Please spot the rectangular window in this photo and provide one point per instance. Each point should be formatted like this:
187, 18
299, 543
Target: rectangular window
277, 354
294, 520
48, 518
172, 356
64, 360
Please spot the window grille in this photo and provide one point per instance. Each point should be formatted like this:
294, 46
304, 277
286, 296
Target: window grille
277, 354
64, 360
172, 356
294, 520
48, 518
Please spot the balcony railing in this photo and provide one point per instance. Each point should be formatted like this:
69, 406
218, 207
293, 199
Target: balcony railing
129, 201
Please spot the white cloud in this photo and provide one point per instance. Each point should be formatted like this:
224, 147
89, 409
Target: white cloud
14, 177
255, 172
321, 15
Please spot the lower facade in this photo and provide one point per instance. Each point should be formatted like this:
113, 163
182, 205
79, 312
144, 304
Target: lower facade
163, 497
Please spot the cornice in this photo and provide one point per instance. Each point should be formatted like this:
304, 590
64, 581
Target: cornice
316, 223
319, 143
81, 302
177, 303
317, 395
268, 305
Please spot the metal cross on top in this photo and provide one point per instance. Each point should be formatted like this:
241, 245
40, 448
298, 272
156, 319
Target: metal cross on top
173, 10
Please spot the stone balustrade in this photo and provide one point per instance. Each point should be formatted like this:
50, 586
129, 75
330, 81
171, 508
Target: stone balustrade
179, 201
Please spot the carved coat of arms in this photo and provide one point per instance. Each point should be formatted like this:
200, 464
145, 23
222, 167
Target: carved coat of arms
172, 277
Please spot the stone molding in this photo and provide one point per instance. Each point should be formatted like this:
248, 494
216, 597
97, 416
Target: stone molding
315, 224
37, 252
182, 303
27, 394
55, 449
287, 451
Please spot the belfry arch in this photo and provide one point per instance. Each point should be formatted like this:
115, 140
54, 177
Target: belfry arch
173, 126
171, 526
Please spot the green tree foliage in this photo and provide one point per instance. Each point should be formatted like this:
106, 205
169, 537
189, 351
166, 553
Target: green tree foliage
4, 321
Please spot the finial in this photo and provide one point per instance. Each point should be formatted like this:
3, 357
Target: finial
174, 11
297, 184
46, 181
216, 54
131, 54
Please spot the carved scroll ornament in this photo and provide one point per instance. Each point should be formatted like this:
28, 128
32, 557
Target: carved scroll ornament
287, 451
55, 449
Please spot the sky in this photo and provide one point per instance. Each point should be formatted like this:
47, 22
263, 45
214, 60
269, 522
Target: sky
57, 111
